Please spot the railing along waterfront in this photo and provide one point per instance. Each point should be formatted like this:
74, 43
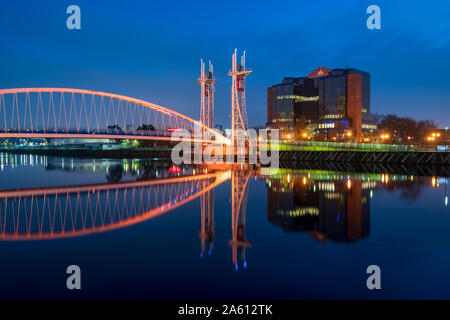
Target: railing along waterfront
353, 146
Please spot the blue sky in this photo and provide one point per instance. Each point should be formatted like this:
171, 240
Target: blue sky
152, 49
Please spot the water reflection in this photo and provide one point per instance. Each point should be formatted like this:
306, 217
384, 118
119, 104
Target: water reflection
15, 160
67, 211
328, 205
332, 205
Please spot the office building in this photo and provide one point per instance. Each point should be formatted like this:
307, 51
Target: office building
327, 105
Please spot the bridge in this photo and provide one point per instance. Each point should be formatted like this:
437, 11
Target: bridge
63, 113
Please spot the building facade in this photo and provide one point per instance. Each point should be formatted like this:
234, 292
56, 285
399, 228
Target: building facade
293, 105
328, 105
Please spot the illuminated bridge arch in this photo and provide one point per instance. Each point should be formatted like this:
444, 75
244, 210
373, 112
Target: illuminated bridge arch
87, 114
60, 212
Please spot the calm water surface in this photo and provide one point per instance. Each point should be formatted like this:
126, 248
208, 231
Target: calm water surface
144, 229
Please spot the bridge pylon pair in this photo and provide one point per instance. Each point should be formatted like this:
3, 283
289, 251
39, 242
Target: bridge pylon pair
238, 73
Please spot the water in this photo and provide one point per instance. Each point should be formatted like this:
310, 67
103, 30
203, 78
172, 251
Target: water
136, 232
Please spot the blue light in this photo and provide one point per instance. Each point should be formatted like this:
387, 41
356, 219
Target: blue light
209, 252
201, 255
236, 267
245, 264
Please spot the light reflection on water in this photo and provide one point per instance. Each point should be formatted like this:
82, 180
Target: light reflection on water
255, 228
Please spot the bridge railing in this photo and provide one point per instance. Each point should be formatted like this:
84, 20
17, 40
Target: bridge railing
353, 146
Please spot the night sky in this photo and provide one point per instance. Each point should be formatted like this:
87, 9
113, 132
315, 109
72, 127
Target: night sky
151, 49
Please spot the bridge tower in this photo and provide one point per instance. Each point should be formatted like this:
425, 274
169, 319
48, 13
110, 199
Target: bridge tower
238, 73
239, 191
206, 81
207, 233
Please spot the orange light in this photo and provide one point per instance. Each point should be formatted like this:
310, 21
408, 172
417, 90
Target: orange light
304, 135
433, 182
349, 184
288, 136
349, 133
305, 180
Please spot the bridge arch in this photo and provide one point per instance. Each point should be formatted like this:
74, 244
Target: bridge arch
78, 113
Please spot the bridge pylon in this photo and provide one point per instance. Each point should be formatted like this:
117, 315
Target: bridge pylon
239, 192
206, 82
239, 120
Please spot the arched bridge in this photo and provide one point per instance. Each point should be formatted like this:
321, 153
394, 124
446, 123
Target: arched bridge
86, 114
60, 212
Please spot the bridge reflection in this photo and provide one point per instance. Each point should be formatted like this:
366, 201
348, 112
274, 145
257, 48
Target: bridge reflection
329, 205
58, 212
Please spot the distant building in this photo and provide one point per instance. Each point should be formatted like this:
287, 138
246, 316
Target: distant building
328, 105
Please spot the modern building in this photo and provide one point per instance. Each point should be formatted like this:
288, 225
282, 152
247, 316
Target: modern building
293, 105
327, 105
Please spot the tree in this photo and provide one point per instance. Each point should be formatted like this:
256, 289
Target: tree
114, 127
404, 129
146, 127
